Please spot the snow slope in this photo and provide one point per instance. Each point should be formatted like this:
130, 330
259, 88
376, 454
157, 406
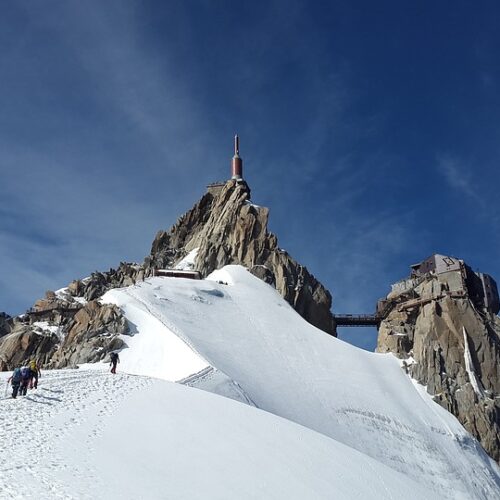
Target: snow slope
86, 434
262, 352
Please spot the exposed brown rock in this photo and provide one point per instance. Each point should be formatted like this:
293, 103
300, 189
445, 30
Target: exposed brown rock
437, 336
23, 343
99, 283
49, 302
92, 334
76, 288
228, 229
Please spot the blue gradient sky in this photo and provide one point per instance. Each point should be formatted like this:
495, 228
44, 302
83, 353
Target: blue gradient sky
371, 130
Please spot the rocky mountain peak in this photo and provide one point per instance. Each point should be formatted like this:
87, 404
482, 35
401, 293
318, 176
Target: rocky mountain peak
225, 227
443, 325
70, 326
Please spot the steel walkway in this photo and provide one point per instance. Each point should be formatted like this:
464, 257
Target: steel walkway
357, 320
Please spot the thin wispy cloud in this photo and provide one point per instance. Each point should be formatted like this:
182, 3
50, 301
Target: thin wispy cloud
99, 197
460, 178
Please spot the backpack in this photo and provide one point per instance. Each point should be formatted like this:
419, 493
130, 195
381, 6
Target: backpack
16, 376
33, 366
25, 372
113, 356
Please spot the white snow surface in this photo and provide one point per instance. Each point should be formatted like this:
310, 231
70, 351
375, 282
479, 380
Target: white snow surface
314, 417
187, 263
284, 365
86, 434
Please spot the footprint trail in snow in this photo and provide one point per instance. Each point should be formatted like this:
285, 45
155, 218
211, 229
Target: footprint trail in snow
36, 431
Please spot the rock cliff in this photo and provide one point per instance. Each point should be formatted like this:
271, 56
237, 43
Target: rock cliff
226, 228
25, 342
449, 342
93, 332
5, 324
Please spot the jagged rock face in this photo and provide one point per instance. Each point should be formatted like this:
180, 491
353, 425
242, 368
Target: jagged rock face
87, 331
58, 342
228, 229
454, 349
24, 343
5, 324
99, 283
94, 331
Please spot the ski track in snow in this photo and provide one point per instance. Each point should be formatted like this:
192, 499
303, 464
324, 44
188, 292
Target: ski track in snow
56, 409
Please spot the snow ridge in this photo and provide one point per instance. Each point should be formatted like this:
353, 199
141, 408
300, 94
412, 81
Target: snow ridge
318, 415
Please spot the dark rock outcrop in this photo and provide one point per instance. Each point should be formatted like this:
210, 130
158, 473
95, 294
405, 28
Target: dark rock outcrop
451, 346
227, 229
56, 340
99, 283
25, 342
6, 324
91, 335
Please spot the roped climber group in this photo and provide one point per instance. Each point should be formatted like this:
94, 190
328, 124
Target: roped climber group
24, 377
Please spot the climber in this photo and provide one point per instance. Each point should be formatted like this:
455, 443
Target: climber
25, 380
114, 359
35, 373
15, 380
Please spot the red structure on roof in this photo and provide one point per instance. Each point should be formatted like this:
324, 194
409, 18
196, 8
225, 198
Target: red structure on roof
236, 162
178, 273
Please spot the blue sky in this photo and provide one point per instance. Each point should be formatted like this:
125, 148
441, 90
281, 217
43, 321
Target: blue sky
370, 129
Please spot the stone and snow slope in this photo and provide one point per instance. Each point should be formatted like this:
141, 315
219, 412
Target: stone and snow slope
264, 353
225, 228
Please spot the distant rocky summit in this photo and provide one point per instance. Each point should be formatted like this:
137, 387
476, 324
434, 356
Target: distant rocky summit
70, 326
443, 324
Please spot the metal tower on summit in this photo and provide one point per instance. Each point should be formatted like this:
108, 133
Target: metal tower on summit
236, 162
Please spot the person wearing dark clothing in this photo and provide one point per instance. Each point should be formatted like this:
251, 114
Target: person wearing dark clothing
114, 360
15, 380
25, 380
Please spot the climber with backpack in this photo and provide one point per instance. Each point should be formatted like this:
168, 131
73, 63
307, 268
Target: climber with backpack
114, 359
35, 373
15, 380
25, 380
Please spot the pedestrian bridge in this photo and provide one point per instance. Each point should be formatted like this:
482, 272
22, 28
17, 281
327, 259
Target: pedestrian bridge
358, 319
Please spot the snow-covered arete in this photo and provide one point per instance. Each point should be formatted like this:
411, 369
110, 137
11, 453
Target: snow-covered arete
282, 364
366, 430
